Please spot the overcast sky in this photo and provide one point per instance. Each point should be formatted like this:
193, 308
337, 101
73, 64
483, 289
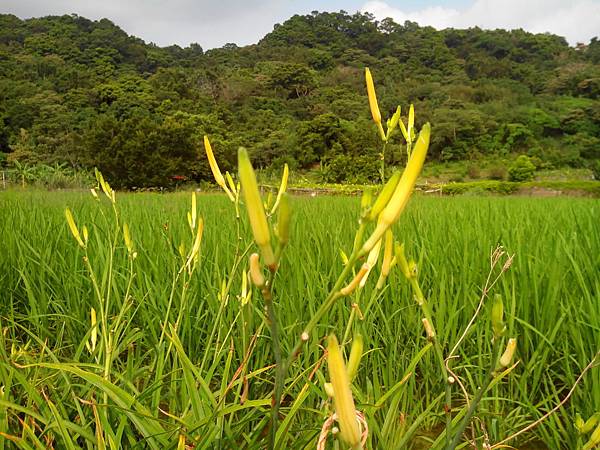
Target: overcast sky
214, 23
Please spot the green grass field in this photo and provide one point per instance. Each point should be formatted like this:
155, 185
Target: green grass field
206, 380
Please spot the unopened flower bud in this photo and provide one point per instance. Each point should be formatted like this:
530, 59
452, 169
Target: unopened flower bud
399, 199
508, 354
256, 274
283, 219
498, 316
594, 439
384, 196
328, 389
355, 356
73, 228
282, 187
254, 206
372, 97
342, 395
401, 260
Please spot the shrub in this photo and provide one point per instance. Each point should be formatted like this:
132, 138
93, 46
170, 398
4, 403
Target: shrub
595, 166
473, 171
522, 169
497, 173
456, 178
349, 169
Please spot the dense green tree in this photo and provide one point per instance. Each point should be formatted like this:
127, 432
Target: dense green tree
85, 93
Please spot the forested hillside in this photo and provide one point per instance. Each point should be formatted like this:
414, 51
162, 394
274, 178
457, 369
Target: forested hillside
85, 93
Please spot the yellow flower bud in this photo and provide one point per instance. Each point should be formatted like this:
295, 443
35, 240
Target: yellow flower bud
399, 199
193, 212
384, 196
342, 395
393, 123
282, 187
256, 274
105, 186
594, 439
387, 258
283, 219
127, 239
181, 442
231, 183
404, 132
193, 256
254, 206
498, 316
372, 97
590, 423
411, 123
508, 354
328, 389
402, 262
86, 234
365, 200
344, 257
73, 228
214, 167
355, 356
94, 336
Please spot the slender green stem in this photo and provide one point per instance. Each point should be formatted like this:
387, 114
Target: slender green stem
230, 280
382, 169
279, 368
439, 353
478, 396
325, 306
349, 325
281, 365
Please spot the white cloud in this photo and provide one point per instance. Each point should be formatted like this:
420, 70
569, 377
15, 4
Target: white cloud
576, 20
209, 23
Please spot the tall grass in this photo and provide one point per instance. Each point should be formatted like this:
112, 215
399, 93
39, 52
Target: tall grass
209, 381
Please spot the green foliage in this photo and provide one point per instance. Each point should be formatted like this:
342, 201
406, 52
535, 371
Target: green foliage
522, 169
586, 188
498, 172
480, 187
297, 96
212, 374
354, 170
595, 166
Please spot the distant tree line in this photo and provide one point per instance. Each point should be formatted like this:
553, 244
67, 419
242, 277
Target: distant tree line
84, 93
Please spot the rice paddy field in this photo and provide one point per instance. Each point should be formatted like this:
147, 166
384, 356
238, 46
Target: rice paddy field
183, 359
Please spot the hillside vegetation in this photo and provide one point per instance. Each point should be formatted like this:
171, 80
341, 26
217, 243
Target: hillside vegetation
85, 93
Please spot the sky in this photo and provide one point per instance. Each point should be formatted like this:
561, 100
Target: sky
215, 23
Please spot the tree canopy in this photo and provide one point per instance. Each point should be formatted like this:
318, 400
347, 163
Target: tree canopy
85, 93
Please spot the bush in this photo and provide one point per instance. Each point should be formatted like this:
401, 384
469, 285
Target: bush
474, 171
595, 166
522, 169
497, 173
348, 169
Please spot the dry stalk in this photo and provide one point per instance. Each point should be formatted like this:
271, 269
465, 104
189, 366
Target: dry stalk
328, 424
